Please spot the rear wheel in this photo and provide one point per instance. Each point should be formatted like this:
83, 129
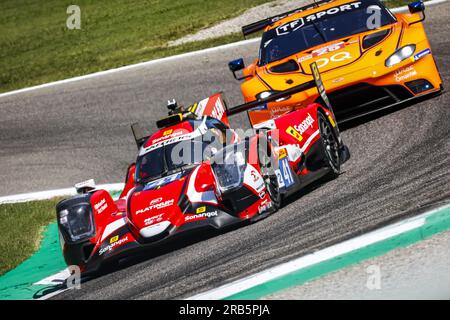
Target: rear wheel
330, 145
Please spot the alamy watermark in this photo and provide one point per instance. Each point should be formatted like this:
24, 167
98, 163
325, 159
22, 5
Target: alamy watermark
73, 21
374, 277
74, 280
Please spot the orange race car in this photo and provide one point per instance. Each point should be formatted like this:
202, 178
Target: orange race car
369, 58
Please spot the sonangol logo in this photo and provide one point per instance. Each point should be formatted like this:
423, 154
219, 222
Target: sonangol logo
307, 123
110, 247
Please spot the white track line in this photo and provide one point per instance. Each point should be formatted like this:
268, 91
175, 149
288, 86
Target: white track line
167, 59
44, 195
365, 240
57, 278
132, 66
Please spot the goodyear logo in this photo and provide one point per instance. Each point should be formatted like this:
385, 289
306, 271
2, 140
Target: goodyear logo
294, 133
201, 209
193, 108
114, 239
331, 121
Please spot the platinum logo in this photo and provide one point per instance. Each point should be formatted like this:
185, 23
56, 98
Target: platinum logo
156, 206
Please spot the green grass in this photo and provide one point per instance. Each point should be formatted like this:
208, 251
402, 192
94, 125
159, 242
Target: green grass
36, 46
21, 227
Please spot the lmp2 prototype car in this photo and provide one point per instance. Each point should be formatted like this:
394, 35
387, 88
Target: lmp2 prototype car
196, 172
369, 58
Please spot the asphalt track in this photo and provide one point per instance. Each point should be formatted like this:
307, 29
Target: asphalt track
60, 135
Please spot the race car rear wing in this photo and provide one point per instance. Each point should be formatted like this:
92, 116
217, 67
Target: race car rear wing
316, 83
262, 24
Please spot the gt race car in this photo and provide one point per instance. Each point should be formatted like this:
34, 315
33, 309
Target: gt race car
370, 59
196, 172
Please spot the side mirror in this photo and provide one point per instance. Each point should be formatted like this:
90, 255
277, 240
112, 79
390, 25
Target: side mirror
417, 6
235, 66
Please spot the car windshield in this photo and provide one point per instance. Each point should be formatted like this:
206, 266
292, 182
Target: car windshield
322, 27
181, 155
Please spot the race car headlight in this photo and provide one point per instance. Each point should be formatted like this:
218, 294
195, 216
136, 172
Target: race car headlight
77, 222
228, 168
400, 55
266, 94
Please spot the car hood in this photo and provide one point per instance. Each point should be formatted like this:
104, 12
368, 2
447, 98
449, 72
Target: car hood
332, 55
330, 58
157, 201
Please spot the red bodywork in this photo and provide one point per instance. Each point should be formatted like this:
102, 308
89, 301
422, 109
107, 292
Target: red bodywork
147, 213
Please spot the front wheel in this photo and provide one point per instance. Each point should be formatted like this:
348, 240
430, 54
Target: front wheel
330, 145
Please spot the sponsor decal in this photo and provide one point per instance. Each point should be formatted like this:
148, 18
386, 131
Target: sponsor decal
337, 80
295, 25
260, 187
152, 220
200, 210
422, 54
113, 239
305, 124
156, 206
279, 110
328, 49
193, 107
264, 206
404, 74
218, 110
202, 215
338, 57
167, 132
330, 118
294, 133
113, 245
155, 201
282, 153
101, 206
162, 182
333, 11
305, 58
177, 136
290, 27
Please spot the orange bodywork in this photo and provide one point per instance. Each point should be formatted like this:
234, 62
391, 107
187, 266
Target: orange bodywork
345, 64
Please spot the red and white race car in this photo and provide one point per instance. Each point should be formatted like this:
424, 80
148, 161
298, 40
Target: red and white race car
196, 172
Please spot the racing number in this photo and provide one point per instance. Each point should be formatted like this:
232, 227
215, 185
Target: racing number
284, 174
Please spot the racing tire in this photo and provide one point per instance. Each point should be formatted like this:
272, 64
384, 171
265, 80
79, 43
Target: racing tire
330, 144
